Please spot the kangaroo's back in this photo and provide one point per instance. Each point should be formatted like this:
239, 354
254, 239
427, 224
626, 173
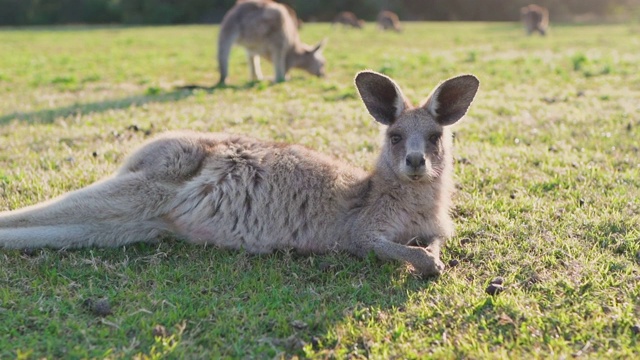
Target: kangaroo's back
262, 196
226, 190
258, 21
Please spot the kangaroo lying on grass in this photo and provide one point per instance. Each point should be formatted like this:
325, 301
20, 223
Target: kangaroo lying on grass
268, 29
241, 193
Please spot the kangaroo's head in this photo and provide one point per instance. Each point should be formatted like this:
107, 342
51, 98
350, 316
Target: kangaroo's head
310, 59
417, 145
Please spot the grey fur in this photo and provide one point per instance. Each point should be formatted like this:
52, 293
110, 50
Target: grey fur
236, 192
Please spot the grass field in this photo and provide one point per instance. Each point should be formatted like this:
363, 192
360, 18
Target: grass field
547, 172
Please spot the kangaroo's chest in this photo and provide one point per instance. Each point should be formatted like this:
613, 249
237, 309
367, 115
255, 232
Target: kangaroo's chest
417, 224
408, 220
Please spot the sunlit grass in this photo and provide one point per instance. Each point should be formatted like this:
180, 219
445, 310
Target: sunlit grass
547, 167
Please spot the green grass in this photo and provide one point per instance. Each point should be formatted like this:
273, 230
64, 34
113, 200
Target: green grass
548, 174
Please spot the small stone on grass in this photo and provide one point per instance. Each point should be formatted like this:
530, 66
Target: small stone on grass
30, 252
494, 289
100, 307
298, 324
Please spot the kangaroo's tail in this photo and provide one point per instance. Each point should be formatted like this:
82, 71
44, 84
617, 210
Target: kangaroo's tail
113, 212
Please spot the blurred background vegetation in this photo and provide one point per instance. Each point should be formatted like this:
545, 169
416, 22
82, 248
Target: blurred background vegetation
45, 12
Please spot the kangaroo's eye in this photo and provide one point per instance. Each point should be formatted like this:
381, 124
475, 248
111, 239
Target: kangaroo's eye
395, 139
434, 138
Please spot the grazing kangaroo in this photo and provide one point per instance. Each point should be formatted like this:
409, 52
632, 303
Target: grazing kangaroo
535, 18
266, 29
348, 18
240, 193
388, 20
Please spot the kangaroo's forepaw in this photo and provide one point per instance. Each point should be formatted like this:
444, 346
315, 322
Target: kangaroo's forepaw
430, 266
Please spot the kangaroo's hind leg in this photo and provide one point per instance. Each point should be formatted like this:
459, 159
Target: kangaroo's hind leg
113, 212
128, 207
254, 66
278, 57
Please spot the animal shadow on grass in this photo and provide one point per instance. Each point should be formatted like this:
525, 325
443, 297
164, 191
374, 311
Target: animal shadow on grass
258, 303
46, 116
248, 85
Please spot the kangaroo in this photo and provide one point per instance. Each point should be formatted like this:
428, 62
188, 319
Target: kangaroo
535, 18
388, 20
348, 18
266, 29
237, 192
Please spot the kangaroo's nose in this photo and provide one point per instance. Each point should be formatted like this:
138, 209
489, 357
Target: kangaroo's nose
415, 160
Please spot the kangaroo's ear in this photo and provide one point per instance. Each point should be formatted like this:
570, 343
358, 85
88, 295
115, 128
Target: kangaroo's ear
450, 100
382, 97
319, 46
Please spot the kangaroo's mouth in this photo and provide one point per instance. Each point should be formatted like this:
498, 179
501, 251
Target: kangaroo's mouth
416, 176
421, 176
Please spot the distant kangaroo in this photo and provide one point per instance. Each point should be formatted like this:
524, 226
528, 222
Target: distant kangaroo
266, 29
388, 20
349, 19
240, 193
535, 18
